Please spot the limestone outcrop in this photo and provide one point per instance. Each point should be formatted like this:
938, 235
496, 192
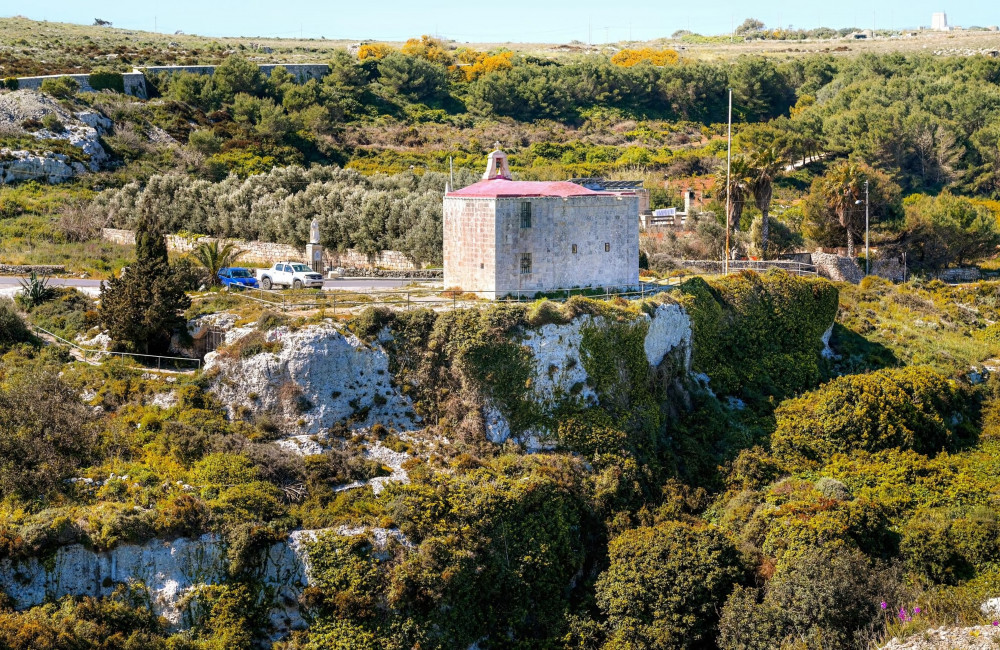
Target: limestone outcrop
22, 113
318, 376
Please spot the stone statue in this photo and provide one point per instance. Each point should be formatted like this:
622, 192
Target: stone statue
314, 232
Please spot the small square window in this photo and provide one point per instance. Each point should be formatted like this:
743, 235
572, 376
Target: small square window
525, 263
607, 247
574, 249
525, 214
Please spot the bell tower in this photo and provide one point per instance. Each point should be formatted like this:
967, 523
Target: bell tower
496, 165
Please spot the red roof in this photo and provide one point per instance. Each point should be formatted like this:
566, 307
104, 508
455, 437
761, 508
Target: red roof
501, 187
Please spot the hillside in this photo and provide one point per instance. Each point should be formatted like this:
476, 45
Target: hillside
751, 461
34, 48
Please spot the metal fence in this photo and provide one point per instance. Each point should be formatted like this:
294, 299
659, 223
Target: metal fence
346, 301
92, 355
718, 267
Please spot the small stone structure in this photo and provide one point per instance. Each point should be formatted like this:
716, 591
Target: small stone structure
267, 253
314, 250
837, 267
505, 237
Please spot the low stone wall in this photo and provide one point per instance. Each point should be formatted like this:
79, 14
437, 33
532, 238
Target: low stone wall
301, 71
968, 274
28, 269
419, 274
891, 269
267, 253
135, 82
838, 268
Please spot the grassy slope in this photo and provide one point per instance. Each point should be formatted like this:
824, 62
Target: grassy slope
33, 47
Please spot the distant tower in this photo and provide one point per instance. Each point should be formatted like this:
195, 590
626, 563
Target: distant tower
939, 22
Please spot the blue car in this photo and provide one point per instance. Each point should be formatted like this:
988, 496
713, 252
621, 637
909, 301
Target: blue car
237, 278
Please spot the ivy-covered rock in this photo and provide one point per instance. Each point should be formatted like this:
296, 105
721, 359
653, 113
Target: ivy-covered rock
759, 336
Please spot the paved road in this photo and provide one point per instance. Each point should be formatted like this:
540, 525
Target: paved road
351, 284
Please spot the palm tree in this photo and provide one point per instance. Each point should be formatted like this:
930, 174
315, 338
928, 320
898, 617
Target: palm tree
739, 188
766, 164
842, 187
214, 257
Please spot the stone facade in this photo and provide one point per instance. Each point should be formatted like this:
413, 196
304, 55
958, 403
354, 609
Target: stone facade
267, 253
603, 229
504, 237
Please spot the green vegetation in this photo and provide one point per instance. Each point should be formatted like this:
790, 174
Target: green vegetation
143, 306
776, 496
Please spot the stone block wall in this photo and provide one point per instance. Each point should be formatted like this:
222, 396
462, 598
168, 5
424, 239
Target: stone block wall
135, 82
470, 244
604, 229
267, 253
838, 268
301, 71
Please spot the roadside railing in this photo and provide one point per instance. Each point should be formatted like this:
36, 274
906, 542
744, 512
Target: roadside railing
87, 352
406, 299
718, 267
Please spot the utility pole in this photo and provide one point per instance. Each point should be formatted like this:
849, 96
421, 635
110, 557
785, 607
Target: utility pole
867, 257
729, 162
858, 202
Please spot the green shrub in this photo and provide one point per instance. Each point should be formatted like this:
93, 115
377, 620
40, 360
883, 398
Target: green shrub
255, 501
12, 327
757, 336
69, 313
269, 320
46, 433
664, 585
224, 469
592, 433
121, 621
251, 345
824, 599
909, 408
106, 80
11, 83
949, 549
60, 87
52, 122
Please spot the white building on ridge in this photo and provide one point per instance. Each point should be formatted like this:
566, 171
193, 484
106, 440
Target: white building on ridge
506, 237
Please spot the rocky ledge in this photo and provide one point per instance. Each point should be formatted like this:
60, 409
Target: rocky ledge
982, 637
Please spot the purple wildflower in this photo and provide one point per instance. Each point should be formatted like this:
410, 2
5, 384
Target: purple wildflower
916, 610
884, 605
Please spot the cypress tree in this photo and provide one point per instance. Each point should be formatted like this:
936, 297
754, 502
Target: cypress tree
143, 306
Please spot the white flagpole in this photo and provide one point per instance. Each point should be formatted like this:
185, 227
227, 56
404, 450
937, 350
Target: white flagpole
729, 162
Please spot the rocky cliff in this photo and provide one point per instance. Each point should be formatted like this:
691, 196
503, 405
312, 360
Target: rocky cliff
25, 121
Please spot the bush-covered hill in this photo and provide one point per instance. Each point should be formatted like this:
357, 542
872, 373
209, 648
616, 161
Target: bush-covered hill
662, 511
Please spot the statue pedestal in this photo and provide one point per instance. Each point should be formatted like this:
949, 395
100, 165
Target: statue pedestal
314, 253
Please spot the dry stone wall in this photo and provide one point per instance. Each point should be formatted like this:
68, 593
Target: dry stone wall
267, 253
135, 82
837, 267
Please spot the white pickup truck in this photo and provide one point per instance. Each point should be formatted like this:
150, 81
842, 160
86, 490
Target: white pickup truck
289, 274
